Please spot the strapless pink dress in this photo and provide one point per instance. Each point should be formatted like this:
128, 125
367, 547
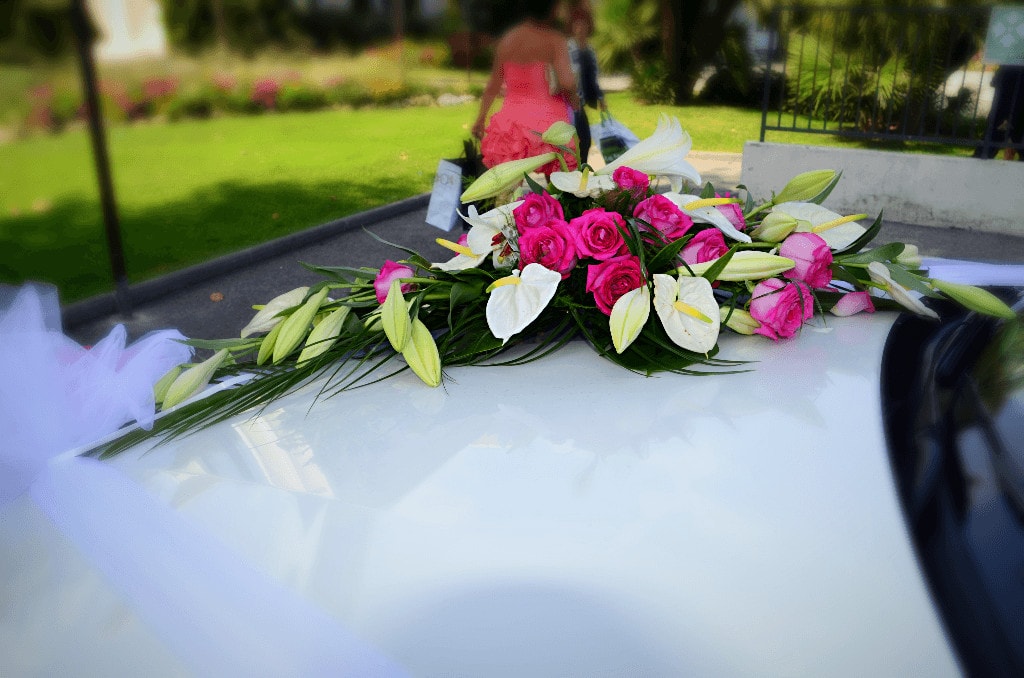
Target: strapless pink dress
528, 107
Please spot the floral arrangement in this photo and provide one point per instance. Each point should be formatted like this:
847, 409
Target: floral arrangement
649, 277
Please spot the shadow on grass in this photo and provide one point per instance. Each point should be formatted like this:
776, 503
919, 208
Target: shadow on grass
66, 245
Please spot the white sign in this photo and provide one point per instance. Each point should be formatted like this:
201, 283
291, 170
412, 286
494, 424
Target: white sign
444, 200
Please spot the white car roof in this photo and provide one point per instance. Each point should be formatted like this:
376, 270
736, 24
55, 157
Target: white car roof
563, 517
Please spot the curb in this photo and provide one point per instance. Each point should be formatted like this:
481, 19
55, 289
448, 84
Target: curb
105, 304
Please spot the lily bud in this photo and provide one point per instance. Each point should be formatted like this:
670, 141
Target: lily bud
910, 257
194, 379
266, 317
559, 134
324, 335
160, 388
805, 187
775, 227
394, 316
738, 320
629, 315
296, 326
745, 265
504, 176
372, 322
267, 345
421, 354
975, 299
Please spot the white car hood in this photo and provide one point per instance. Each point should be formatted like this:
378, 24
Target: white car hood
563, 517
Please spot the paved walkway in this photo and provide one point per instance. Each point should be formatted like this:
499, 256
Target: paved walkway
214, 300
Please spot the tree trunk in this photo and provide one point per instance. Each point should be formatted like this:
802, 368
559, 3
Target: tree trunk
692, 32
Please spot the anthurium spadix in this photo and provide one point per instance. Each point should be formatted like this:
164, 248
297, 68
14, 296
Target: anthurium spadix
688, 311
662, 154
394, 317
266, 317
516, 300
582, 184
502, 177
705, 210
192, 380
836, 230
421, 354
629, 315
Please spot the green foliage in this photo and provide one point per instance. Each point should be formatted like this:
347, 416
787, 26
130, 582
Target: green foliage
872, 70
31, 30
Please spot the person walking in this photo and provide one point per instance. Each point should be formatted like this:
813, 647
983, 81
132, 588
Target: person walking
532, 62
584, 65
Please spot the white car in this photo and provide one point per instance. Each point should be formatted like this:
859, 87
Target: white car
559, 518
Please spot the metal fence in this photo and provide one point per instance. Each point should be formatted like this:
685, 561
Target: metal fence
891, 74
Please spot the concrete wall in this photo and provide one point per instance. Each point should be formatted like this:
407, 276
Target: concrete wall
911, 188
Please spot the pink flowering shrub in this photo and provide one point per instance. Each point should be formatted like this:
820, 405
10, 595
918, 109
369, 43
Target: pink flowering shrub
264, 93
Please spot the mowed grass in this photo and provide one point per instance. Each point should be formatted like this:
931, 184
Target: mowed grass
191, 191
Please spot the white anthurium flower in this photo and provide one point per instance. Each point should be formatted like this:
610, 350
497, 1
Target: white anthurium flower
265, 318
662, 154
880, 276
464, 257
629, 315
688, 311
583, 184
838, 231
518, 299
705, 211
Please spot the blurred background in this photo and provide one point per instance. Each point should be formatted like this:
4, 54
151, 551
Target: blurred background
233, 122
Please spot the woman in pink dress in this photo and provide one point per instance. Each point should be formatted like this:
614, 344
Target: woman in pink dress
532, 61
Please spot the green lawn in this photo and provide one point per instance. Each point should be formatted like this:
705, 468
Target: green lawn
191, 191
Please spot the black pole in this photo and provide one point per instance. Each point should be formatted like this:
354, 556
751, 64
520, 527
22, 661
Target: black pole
83, 42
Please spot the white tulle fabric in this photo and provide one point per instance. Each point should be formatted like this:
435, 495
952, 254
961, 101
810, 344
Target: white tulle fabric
216, 613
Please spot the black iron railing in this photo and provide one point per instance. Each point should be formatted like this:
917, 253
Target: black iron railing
891, 74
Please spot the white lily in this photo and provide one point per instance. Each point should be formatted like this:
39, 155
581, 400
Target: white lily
836, 230
583, 184
705, 211
480, 239
688, 311
518, 299
662, 154
629, 315
265, 319
880, 276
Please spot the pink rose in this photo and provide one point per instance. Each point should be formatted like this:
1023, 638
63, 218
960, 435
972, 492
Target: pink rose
632, 180
706, 245
537, 209
780, 307
390, 272
853, 302
551, 245
598, 234
812, 256
734, 214
660, 215
612, 278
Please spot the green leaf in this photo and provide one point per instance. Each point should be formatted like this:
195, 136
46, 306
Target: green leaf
667, 256
230, 344
868, 235
903, 277
534, 186
884, 253
713, 272
708, 192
